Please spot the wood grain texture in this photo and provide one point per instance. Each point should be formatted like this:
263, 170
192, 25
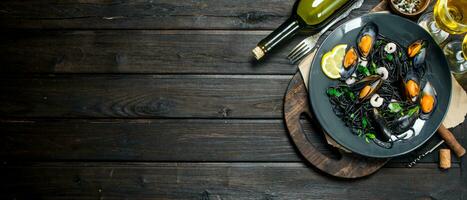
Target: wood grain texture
73, 125
184, 140
219, 181
134, 51
150, 140
347, 165
142, 96
156, 14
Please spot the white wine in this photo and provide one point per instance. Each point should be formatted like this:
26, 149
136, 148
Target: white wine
308, 13
451, 15
464, 47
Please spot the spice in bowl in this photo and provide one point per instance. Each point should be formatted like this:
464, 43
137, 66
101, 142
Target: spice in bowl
407, 6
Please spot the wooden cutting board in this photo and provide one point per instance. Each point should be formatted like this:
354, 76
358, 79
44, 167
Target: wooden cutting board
346, 165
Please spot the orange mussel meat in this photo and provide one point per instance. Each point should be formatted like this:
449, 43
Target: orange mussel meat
427, 103
412, 88
365, 92
350, 58
365, 44
414, 48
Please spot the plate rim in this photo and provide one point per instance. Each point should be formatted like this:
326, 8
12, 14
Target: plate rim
313, 106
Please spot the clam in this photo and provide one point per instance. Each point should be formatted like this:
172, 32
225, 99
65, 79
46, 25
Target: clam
366, 39
367, 87
427, 101
417, 52
349, 63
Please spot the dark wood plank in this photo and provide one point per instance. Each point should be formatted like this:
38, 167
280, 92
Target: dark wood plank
161, 140
219, 181
157, 14
147, 96
139, 140
162, 52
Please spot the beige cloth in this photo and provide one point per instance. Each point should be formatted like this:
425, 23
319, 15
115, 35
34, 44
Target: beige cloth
457, 108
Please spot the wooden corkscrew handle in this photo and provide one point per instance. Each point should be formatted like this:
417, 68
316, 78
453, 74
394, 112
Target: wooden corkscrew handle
451, 141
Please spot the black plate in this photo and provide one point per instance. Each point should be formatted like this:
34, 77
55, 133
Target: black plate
398, 29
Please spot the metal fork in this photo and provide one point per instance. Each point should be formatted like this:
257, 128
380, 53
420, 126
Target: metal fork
305, 46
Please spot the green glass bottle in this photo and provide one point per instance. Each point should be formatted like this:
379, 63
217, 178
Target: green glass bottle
308, 14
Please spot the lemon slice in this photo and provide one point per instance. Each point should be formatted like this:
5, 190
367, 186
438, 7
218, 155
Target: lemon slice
339, 51
331, 62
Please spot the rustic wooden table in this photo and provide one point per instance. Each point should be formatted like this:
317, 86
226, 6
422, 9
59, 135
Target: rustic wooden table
161, 99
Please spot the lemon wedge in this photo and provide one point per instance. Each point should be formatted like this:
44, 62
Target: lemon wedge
331, 62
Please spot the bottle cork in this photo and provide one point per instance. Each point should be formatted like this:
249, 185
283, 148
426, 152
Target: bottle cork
258, 52
445, 158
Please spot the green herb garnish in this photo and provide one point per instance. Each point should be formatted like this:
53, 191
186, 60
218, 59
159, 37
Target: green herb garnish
364, 70
389, 57
378, 43
372, 68
364, 122
394, 107
334, 92
413, 110
369, 136
351, 95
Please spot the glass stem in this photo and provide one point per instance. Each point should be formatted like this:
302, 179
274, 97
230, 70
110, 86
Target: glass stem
434, 27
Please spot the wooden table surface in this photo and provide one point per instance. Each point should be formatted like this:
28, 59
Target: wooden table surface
161, 99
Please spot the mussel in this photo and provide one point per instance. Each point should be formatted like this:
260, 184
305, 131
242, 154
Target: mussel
381, 125
366, 39
427, 101
411, 85
417, 52
367, 87
349, 63
396, 127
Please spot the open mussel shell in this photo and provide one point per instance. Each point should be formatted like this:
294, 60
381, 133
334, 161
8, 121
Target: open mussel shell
349, 63
367, 87
366, 39
404, 123
428, 101
391, 131
417, 52
383, 131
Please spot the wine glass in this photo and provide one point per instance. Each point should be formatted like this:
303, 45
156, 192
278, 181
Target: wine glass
449, 17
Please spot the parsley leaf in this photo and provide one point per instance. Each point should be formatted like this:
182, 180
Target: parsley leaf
372, 68
389, 57
378, 43
394, 107
370, 136
413, 110
364, 70
334, 92
364, 122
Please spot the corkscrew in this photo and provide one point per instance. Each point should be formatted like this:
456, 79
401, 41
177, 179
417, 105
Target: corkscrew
421, 156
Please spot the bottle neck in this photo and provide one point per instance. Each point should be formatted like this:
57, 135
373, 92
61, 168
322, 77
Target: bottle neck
284, 32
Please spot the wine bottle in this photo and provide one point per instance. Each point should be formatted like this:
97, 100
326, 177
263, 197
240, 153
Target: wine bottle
307, 14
